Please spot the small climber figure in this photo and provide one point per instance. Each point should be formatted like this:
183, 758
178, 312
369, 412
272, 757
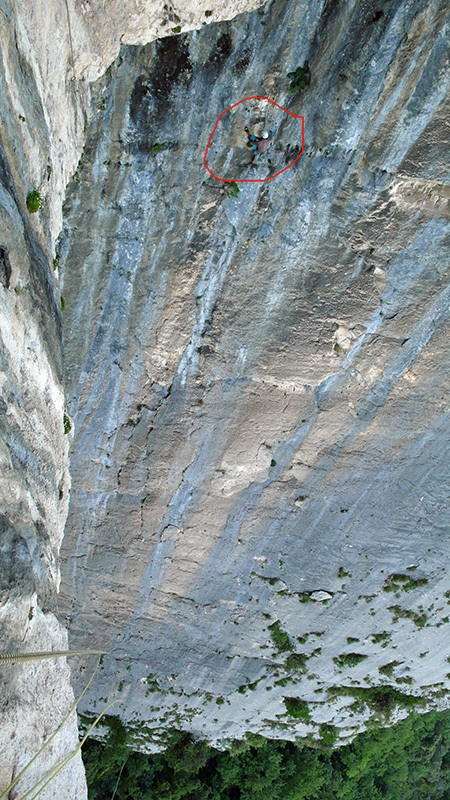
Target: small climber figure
259, 144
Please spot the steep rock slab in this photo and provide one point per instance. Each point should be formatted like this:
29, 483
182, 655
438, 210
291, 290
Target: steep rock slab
59, 47
34, 485
258, 380
43, 115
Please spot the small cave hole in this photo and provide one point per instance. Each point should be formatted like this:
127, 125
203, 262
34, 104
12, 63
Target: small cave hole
5, 268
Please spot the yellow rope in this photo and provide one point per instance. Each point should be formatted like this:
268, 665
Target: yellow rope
14, 658
56, 769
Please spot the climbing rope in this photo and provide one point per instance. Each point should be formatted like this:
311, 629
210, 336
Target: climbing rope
14, 658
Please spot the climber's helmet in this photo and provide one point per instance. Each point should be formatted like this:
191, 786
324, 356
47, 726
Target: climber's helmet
265, 135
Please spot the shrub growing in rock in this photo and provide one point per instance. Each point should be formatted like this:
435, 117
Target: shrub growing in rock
280, 638
35, 201
349, 659
300, 78
232, 189
297, 708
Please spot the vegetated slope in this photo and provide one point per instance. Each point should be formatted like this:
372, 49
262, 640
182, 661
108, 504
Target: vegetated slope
258, 379
409, 761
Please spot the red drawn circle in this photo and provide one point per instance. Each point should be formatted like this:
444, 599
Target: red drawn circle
253, 180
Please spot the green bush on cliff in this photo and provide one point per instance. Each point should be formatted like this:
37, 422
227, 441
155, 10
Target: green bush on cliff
35, 201
280, 638
297, 708
409, 761
232, 189
300, 78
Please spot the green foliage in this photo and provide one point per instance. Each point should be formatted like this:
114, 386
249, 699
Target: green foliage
328, 733
35, 201
388, 669
398, 582
67, 424
271, 580
304, 597
296, 661
158, 147
208, 13
406, 613
152, 683
349, 659
232, 190
409, 761
380, 637
298, 708
63, 303
343, 574
299, 79
280, 638
177, 29
381, 699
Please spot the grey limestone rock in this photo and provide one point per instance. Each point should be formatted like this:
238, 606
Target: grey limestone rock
255, 377
258, 377
49, 52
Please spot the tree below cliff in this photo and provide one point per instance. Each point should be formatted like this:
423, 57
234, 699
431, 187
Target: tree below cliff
408, 761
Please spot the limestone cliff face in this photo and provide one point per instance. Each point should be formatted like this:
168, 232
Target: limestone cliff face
259, 382
43, 116
51, 53
34, 484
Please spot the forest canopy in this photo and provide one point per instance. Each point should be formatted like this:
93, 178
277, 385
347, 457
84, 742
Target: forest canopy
408, 761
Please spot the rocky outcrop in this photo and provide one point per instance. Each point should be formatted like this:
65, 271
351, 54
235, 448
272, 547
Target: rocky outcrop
49, 53
34, 485
257, 376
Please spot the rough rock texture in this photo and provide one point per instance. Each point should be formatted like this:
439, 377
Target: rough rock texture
37, 700
34, 485
99, 27
53, 49
43, 116
259, 383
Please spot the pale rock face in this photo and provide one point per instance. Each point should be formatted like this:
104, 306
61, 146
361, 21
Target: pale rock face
259, 382
64, 45
110, 23
37, 701
43, 119
34, 485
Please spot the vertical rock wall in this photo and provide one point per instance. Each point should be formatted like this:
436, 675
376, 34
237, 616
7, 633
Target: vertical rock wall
258, 380
34, 484
49, 53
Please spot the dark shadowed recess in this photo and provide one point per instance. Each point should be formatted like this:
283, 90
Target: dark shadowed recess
5, 267
151, 95
359, 29
221, 51
170, 68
